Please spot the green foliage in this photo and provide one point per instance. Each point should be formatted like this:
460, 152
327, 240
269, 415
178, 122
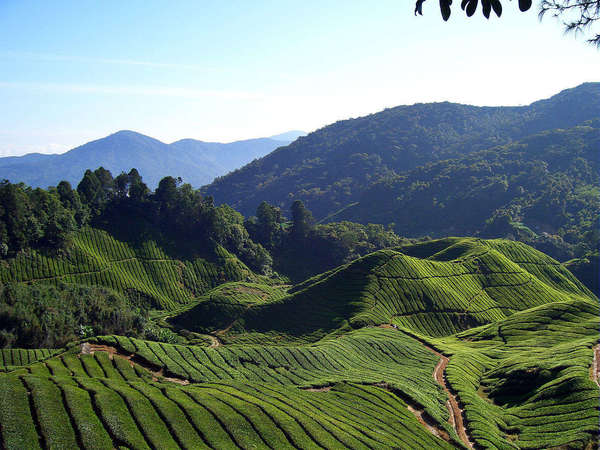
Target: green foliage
293, 373
32, 218
302, 249
159, 334
587, 269
222, 306
527, 377
143, 272
50, 316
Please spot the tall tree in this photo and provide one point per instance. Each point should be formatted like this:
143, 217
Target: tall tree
302, 220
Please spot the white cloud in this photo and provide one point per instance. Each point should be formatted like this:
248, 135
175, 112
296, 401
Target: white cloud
145, 90
87, 60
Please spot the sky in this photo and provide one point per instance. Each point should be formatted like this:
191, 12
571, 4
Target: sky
75, 71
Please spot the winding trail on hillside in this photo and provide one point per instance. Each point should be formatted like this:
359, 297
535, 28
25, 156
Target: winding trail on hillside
456, 413
595, 375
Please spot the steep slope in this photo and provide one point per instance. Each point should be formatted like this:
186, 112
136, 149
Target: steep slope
525, 381
546, 182
528, 378
331, 167
437, 288
195, 161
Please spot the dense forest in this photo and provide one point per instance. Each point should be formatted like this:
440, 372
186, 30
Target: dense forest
529, 173
542, 190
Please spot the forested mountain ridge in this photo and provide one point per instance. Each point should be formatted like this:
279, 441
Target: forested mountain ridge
545, 184
331, 167
196, 162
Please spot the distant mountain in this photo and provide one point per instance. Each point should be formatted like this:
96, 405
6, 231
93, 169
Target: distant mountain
289, 135
332, 167
196, 162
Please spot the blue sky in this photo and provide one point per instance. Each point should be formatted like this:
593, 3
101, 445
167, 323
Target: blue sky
73, 71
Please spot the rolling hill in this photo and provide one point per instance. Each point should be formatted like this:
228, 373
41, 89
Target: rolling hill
364, 356
196, 162
435, 289
141, 270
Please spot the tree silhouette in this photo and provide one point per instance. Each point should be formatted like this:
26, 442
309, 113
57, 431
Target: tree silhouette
577, 15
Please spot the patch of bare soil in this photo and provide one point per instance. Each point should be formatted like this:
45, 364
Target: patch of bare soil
215, 341
319, 389
595, 372
156, 372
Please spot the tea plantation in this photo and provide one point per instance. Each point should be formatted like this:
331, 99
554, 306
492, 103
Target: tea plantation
450, 343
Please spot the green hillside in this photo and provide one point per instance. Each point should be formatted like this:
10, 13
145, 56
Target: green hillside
450, 343
332, 167
546, 184
529, 379
435, 288
524, 382
144, 273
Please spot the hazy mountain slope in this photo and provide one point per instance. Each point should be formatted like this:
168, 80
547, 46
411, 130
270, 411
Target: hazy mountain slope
222, 158
195, 161
331, 167
288, 135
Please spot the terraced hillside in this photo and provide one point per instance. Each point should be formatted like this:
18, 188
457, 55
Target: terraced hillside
435, 289
364, 356
237, 398
530, 379
141, 271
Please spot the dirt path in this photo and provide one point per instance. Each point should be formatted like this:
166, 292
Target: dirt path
456, 413
157, 372
318, 389
595, 373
